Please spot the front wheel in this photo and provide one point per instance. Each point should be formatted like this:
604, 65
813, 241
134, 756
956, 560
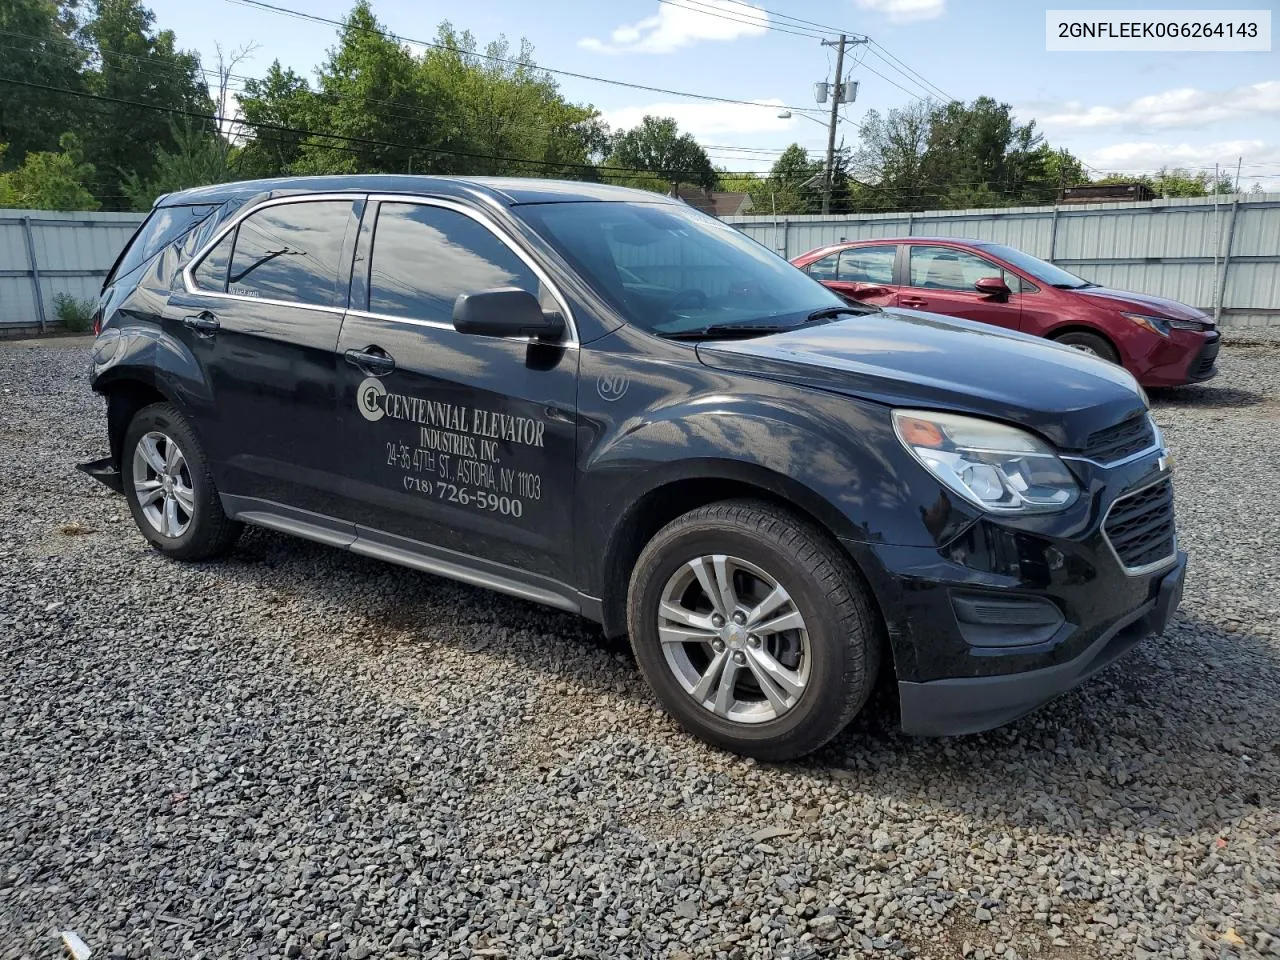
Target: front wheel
170, 491
753, 629
1090, 343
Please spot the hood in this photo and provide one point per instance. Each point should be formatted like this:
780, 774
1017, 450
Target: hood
1144, 303
905, 358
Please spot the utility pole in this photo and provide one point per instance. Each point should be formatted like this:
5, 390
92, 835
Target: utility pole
829, 181
837, 98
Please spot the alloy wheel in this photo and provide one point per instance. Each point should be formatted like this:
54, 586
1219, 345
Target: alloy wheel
162, 482
734, 639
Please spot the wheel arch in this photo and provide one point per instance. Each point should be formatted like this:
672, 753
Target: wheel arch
126, 393
1075, 326
696, 484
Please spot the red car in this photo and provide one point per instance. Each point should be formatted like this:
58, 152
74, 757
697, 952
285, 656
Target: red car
1161, 342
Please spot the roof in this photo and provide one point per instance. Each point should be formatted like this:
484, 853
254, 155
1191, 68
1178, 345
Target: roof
720, 203
505, 190
915, 238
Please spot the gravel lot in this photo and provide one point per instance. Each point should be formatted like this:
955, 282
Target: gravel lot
298, 752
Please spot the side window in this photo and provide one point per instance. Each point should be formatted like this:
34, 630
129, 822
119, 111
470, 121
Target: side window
944, 268
824, 269
868, 264
425, 256
211, 272
290, 252
164, 225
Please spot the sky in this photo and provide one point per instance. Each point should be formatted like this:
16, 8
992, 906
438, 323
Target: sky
1118, 112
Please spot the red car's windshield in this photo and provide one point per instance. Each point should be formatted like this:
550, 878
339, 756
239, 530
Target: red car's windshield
1046, 273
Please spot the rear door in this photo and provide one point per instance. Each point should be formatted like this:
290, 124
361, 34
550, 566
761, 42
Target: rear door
940, 279
454, 442
261, 311
864, 274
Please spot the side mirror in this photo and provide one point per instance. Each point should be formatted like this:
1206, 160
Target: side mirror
992, 287
505, 312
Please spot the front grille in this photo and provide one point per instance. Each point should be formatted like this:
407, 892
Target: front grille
1140, 526
1120, 441
1202, 366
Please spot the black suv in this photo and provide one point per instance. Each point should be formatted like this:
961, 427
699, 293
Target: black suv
602, 400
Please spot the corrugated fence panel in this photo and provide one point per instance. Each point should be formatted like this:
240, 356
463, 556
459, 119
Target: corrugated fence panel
73, 253
1170, 248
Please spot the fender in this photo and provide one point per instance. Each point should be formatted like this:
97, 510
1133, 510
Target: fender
143, 353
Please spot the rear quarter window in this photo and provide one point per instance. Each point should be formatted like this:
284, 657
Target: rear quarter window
163, 226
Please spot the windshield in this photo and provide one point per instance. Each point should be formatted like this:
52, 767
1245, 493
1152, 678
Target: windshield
1046, 273
670, 270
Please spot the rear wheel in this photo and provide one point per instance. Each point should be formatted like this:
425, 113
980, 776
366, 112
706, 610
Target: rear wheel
170, 491
753, 629
1090, 343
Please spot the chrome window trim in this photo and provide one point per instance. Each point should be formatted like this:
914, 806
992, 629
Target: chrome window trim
438, 325
571, 326
188, 272
1147, 567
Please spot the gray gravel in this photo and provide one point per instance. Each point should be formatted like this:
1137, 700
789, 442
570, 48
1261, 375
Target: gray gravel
299, 752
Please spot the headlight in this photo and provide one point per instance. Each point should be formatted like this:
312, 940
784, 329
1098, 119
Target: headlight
1162, 325
998, 468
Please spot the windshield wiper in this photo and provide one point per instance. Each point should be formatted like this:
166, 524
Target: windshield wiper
726, 331
830, 313
742, 330
1074, 286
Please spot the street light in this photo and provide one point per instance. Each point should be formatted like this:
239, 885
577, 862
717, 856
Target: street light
786, 115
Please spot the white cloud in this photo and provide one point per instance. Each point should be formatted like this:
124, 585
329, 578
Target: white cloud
1260, 160
707, 119
673, 27
1186, 107
905, 11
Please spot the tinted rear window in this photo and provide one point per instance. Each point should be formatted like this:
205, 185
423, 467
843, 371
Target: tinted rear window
163, 226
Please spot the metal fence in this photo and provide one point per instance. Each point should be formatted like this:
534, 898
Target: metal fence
1222, 257
44, 253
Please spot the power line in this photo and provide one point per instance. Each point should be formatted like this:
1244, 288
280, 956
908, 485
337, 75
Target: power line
921, 81
364, 141
827, 29
400, 38
719, 13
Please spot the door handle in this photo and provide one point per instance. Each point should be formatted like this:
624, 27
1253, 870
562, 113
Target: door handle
913, 301
372, 360
205, 324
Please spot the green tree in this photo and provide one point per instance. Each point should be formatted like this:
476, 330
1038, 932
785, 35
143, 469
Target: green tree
35, 37
371, 89
197, 157
507, 112
49, 180
657, 147
958, 155
280, 99
140, 65
891, 157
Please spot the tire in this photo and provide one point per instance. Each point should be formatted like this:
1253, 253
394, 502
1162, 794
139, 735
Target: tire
171, 494
829, 663
1087, 342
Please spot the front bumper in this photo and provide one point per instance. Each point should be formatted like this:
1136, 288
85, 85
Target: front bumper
960, 705
1191, 359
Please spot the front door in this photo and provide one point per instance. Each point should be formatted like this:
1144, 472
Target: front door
941, 280
862, 274
453, 442
261, 317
